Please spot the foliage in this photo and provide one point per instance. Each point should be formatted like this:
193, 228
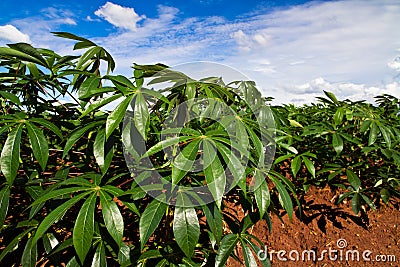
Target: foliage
76, 199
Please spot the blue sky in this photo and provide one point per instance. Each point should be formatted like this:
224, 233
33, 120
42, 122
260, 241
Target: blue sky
292, 49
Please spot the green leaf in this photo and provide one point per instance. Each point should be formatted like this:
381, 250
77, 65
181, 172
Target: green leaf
91, 87
261, 193
249, 259
373, 133
99, 258
296, 165
284, 197
75, 135
49, 242
309, 165
83, 43
150, 254
103, 151
31, 51
235, 166
29, 256
95, 106
184, 161
385, 195
214, 220
73, 263
13, 98
57, 193
295, 124
112, 217
368, 201
120, 80
353, 179
9, 161
124, 257
214, 172
4, 200
356, 203
186, 229
116, 116
365, 125
84, 227
10, 52
39, 144
338, 117
48, 125
150, 220
166, 143
337, 143
56, 215
261, 254
386, 135
226, 248
14, 243
140, 114
331, 97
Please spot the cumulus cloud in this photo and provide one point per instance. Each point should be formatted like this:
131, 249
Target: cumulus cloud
11, 33
347, 47
306, 93
119, 16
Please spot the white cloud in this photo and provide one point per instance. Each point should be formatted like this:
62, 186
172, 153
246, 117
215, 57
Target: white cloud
119, 16
395, 64
293, 54
304, 93
11, 33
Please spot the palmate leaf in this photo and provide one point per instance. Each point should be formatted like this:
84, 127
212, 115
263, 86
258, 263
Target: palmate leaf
11, 245
13, 98
29, 50
11, 53
39, 144
226, 248
373, 133
112, 217
186, 229
4, 200
295, 165
337, 143
48, 125
141, 113
9, 161
103, 151
214, 172
284, 197
214, 220
84, 227
75, 135
57, 193
96, 105
166, 143
29, 256
116, 116
353, 179
55, 215
261, 193
184, 161
150, 220
356, 203
309, 165
83, 42
249, 258
99, 258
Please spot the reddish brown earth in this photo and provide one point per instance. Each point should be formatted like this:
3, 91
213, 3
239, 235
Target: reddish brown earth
321, 226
